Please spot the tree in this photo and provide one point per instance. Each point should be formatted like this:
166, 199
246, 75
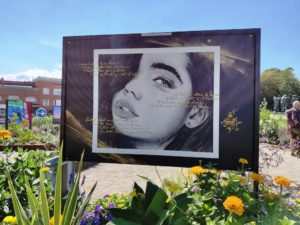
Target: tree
276, 82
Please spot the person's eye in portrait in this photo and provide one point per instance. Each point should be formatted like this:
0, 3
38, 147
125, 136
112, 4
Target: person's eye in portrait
156, 109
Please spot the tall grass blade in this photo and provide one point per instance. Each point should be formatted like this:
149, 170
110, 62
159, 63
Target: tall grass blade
70, 206
84, 206
45, 207
34, 206
19, 211
58, 184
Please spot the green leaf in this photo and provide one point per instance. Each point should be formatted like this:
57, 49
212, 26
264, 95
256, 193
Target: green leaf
19, 211
84, 206
44, 199
70, 206
33, 220
137, 188
182, 204
156, 208
29, 171
151, 190
32, 202
129, 214
162, 218
58, 185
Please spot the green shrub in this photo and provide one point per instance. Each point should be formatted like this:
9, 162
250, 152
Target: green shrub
42, 132
214, 198
70, 213
42, 123
273, 127
20, 164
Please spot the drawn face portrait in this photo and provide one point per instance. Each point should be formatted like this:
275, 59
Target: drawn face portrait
153, 106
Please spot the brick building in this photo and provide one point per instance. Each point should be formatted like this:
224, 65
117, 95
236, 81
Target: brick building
41, 92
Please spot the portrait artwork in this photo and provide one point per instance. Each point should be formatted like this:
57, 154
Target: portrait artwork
162, 98
160, 101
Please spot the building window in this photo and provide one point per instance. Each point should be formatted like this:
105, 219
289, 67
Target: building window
30, 99
45, 91
45, 102
57, 102
57, 91
13, 97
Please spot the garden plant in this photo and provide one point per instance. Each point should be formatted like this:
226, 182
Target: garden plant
20, 163
272, 128
202, 195
39, 206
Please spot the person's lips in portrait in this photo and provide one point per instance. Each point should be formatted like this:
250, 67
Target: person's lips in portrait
123, 109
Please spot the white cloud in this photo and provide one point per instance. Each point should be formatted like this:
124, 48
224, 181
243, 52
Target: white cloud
30, 74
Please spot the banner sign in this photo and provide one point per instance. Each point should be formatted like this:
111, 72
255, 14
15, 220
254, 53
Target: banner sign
56, 114
2, 114
162, 98
18, 112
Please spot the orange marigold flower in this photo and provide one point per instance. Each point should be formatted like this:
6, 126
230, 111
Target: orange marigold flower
258, 178
282, 181
197, 170
5, 134
7, 137
52, 220
234, 205
243, 161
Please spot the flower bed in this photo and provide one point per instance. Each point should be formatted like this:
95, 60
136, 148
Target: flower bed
202, 196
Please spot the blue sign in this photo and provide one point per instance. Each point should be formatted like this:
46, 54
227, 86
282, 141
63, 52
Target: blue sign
41, 112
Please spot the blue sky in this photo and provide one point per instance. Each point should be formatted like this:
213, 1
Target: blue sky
31, 31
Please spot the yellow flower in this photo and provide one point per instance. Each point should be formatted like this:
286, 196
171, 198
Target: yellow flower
52, 220
197, 170
120, 205
172, 186
224, 183
5, 134
243, 181
8, 219
270, 196
234, 205
169, 200
258, 178
45, 169
252, 222
243, 161
282, 181
15, 221
133, 194
213, 171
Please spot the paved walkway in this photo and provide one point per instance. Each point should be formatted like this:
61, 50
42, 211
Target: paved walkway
119, 178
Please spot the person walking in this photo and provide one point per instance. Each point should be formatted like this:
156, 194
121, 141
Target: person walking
293, 123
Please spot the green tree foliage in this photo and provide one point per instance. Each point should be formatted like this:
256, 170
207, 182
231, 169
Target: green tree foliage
276, 82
